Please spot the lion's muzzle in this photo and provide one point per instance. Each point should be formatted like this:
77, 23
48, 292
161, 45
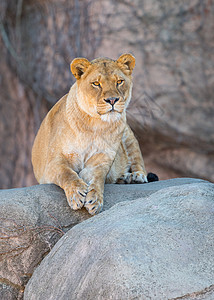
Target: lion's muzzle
112, 100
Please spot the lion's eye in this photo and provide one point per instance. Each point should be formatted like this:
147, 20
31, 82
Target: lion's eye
119, 82
96, 83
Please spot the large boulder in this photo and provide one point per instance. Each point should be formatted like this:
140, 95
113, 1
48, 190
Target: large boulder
33, 219
158, 247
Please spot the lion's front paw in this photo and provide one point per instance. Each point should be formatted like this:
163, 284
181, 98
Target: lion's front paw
134, 177
94, 201
76, 192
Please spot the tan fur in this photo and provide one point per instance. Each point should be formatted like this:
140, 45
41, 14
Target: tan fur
81, 143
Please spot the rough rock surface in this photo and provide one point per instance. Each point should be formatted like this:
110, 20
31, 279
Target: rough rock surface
34, 218
159, 247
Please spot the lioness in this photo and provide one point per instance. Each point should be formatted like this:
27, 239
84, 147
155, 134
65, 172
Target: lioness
85, 141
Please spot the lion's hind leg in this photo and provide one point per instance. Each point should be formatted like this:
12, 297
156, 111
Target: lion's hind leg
134, 177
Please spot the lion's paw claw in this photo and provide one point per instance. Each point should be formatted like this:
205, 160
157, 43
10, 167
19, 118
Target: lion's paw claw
76, 193
134, 177
94, 202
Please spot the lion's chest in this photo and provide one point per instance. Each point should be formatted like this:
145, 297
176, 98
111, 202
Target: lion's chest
79, 150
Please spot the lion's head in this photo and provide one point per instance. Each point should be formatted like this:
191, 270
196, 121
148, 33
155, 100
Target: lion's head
103, 85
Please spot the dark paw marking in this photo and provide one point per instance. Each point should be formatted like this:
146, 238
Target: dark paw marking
83, 195
152, 177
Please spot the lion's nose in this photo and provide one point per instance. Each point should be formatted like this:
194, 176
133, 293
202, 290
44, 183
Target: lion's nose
111, 100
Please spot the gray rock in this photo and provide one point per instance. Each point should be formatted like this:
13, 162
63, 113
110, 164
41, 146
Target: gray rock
33, 219
158, 247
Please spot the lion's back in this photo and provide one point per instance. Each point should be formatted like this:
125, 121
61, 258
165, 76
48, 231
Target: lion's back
41, 147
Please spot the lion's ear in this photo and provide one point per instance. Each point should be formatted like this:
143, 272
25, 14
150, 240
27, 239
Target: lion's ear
127, 62
78, 66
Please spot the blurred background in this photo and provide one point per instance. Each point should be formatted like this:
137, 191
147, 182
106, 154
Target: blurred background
172, 108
